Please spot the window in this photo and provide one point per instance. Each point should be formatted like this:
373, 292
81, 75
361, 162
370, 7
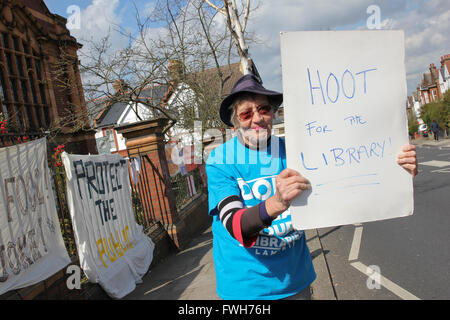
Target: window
23, 100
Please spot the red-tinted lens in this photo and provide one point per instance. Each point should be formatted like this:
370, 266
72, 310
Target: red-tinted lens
263, 110
244, 116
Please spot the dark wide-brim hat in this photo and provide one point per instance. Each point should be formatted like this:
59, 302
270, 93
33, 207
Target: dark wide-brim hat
247, 83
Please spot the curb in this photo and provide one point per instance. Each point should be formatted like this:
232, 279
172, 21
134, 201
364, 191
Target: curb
322, 287
445, 142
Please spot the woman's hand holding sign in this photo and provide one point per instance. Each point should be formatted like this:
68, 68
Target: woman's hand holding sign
289, 185
407, 159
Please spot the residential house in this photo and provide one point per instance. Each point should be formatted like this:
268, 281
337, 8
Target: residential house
184, 95
416, 104
429, 87
278, 122
118, 113
444, 75
32, 43
432, 87
436, 82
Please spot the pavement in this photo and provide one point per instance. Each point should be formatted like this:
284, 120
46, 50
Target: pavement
190, 275
430, 142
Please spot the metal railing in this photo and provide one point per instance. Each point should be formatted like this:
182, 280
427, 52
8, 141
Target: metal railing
187, 187
148, 205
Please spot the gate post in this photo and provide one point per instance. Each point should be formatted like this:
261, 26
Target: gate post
146, 139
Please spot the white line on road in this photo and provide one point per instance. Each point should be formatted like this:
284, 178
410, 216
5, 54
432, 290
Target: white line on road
356, 243
388, 284
354, 253
445, 170
436, 163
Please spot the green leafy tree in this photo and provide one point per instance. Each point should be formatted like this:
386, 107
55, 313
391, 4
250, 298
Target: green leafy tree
439, 111
413, 126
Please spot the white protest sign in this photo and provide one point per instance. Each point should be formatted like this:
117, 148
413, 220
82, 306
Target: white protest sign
31, 244
112, 248
345, 122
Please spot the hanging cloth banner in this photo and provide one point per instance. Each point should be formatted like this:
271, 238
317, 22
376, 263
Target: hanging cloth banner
112, 248
31, 245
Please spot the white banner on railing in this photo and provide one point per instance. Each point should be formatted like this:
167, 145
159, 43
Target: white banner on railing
112, 248
31, 244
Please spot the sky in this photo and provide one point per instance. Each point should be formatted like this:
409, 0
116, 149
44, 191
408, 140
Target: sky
426, 24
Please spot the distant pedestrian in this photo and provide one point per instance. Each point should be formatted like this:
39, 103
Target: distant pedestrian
435, 128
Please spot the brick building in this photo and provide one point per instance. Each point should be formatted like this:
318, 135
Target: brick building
436, 82
429, 87
34, 43
445, 73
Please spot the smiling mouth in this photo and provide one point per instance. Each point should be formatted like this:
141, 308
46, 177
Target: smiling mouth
259, 128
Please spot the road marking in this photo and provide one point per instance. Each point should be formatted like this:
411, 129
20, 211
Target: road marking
388, 284
442, 154
436, 163
356, 243
446, 170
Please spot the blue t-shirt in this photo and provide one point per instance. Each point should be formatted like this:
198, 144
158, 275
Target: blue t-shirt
278, 265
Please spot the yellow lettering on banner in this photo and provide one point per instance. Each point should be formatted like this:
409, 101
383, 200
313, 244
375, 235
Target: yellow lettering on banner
122, 247
116, 246
109, 247
101, 251
125, 237
112, 248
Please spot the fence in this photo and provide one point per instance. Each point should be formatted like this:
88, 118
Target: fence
148, 185
147, 205
186, 187
10, 139
149, 191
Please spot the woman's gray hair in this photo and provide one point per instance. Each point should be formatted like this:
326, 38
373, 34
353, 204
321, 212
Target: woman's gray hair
241, 97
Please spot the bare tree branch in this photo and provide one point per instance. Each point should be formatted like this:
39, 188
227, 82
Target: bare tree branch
212, 5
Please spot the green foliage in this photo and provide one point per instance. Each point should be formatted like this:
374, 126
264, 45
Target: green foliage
446, 97
439, 111
413, 126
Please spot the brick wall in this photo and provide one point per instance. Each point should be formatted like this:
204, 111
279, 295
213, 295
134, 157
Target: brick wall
55, 288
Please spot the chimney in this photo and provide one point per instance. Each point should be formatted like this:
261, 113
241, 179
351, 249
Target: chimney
445, 61
176, 69
119, 86
433, 71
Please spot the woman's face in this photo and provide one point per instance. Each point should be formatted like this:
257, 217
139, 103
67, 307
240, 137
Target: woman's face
254, 119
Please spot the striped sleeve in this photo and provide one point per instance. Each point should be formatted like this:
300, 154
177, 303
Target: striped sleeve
243, 224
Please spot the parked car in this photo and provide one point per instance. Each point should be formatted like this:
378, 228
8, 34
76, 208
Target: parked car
423, 130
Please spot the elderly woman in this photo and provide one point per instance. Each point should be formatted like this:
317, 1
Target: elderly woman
257, 253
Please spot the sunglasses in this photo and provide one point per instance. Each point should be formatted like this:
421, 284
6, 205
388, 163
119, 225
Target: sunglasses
262, 110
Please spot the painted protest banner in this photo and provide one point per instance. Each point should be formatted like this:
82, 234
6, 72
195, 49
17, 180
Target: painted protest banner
345, 121
112, 248
31, 244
